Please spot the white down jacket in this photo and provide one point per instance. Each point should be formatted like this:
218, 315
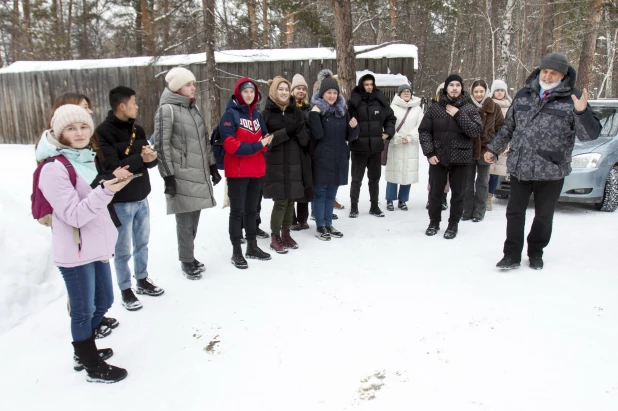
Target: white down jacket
402, 159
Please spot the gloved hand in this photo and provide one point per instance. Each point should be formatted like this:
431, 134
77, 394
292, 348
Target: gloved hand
170, 185
214, 175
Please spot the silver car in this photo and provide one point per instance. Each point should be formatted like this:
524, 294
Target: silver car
594, 178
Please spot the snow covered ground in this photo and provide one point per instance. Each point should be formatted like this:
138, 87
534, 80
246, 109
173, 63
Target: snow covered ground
382, 319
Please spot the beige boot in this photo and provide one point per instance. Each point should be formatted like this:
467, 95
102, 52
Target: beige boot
489, 197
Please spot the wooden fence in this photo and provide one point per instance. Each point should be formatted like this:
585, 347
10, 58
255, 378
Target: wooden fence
26, 98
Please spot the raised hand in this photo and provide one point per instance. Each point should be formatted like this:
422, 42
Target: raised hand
452, 110
580, 104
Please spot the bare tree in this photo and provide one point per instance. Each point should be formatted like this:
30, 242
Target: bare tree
265, 23
15, 44
346, 59
505, 40
253, 27
210, 31
586, 59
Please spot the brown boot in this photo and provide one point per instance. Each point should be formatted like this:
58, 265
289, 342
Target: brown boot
489, 198
276, 244
338, 206
288, 240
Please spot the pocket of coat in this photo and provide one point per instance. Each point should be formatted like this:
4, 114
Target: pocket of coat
554, 112
555, 157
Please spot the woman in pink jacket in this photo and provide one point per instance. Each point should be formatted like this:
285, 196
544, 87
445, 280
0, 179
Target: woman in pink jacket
84, 235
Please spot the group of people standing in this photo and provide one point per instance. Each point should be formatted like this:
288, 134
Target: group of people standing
297, 150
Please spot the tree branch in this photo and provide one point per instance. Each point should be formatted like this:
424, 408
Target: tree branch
379, 46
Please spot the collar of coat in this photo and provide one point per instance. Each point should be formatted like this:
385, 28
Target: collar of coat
487, 105
272, 106
358, 96
458, 102
338, 109
399, 102
565, 89
112, 119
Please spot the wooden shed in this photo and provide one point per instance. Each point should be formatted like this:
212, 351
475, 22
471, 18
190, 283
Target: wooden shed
28, 88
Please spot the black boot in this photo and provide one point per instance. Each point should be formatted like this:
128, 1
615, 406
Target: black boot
98, 370
104, 354
508, 263
375, 209
451, 231
433, 228
254, 252
444, 202
237, 259
390, 206
354, 210
191, 271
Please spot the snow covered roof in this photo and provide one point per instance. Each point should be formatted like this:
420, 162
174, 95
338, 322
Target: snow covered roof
224, 56
385, 80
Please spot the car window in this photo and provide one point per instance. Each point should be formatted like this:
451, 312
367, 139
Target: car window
609, 120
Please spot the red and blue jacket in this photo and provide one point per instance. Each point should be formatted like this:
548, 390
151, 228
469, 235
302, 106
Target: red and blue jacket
241, 129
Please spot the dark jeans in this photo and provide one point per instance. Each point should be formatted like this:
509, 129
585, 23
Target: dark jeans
282, 215
493, 183
324, 204
475, 197
301, 215
186, 231
438, 176
371, 162
546, 194
244, 194
91, 294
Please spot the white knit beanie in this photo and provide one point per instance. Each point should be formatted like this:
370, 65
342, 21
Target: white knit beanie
298, 80
178, 77
67, 115
500, 85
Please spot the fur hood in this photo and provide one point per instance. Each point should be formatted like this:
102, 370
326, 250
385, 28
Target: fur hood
338, 109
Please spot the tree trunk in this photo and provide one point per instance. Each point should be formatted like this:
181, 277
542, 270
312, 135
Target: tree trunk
346, 59
393, 10
505, 41
265, 23
27, 23
586, 59
253, 27
67, 45
210, 31
547, 36
139, 30
148, 32
165, 24
84, 48
450, 64
15, 41
282, 30
606, 84
289, 38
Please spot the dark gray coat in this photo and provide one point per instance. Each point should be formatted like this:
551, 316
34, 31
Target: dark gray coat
542, 133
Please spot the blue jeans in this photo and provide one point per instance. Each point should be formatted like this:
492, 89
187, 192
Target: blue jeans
135, 220
404, 192
91, 294
324, 204
493, 183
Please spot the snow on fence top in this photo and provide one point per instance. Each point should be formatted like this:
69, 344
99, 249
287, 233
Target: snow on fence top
385, 80
224, 56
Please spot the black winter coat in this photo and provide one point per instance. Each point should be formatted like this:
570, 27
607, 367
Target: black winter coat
114, 138
450, 138
330, 130
374, 116
284, 173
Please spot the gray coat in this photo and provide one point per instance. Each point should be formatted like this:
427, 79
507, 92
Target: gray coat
184, 152
542, 133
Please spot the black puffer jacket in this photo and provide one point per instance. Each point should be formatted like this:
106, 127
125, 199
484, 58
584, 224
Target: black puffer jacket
114, 138
374, 116
284, 173
450, 138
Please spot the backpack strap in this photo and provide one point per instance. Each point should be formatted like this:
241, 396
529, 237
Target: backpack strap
67, 164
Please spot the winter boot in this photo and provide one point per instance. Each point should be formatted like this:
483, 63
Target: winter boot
129, 300
277, 245
451, 231
110, 322
200, 265
288, 241
402, 206
335, 217
334, 232
338, 205
101, 331
253, 251
147, 287
508, 263
104, 354
191, 271
476, 219
96, 368
261, 233
354, 210
390, 206
375, 209
433, 228
489, 198
237, 259
300, 226
323, 234
536, 263
444, 202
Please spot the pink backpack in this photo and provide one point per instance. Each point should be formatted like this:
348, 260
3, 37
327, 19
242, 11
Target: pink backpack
40, 205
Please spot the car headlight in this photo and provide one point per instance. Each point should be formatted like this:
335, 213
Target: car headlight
590, 160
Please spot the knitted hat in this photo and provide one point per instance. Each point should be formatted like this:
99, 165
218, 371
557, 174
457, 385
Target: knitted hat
500, 85
327, 82
403, 87
177, 77
246, 84
298, 80
555, 61
453, 77
67, 115
272, 92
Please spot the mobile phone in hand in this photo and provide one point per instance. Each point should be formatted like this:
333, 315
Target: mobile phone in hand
122, 180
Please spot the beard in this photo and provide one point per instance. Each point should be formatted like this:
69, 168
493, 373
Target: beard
549, 86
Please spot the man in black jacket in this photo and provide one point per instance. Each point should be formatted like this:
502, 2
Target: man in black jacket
124, 144
446, 134
376, 122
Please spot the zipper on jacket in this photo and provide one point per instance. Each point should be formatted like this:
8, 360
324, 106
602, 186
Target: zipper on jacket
200, 143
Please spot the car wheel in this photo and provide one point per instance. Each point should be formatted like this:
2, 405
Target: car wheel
610, 195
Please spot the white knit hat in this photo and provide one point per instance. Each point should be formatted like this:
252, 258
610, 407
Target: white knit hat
67, 115
178, 77
298, 80
500, 85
